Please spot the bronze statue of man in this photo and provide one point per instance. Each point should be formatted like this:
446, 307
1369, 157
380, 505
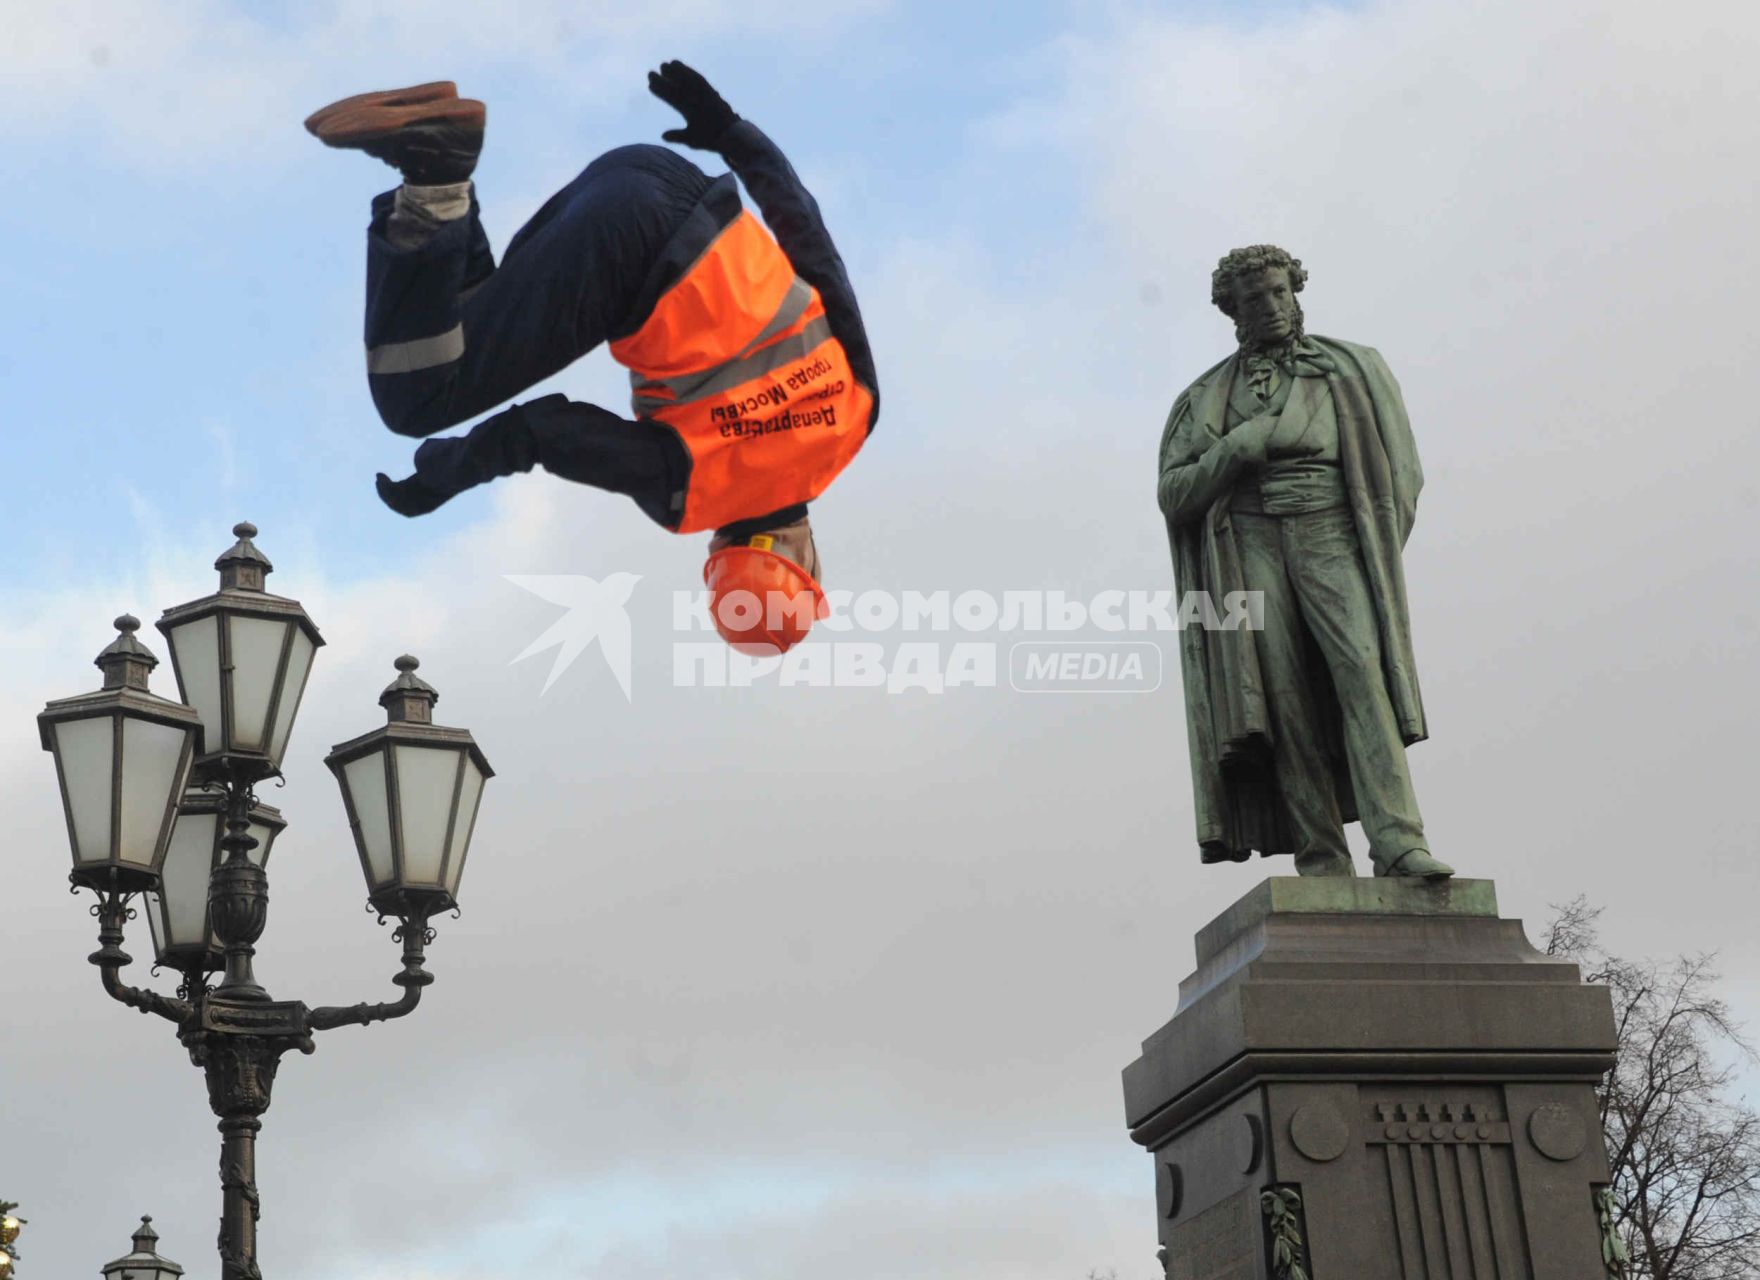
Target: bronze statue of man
1289, 469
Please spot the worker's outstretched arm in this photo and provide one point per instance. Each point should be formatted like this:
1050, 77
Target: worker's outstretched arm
793, 215
788, 207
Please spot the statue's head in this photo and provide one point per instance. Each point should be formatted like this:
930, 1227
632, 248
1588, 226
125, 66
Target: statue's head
1256, 287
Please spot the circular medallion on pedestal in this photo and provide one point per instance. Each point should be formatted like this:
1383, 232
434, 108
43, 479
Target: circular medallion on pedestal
1251, 1139
1557, 1132
1319, 1132
1170, 1188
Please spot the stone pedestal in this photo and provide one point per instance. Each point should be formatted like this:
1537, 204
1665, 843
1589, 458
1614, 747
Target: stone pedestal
1401, 1060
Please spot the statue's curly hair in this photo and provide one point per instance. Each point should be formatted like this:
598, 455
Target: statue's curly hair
1248, 261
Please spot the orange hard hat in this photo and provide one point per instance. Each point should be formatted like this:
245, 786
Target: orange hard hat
763, 603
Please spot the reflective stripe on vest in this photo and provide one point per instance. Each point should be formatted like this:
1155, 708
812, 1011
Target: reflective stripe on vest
738, 358
655, 393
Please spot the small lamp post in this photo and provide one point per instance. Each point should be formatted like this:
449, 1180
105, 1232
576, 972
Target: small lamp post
143, 1261
160, 802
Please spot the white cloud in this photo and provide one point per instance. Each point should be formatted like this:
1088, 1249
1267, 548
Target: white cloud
856, 943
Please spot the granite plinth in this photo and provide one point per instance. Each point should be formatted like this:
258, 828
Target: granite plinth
1404, 1059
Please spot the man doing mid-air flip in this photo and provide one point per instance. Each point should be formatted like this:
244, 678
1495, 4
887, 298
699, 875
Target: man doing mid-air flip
753, 382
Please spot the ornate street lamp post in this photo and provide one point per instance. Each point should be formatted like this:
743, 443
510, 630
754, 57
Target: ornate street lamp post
159, 799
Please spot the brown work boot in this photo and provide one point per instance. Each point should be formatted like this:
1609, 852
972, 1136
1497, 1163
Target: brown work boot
433, 91
427, 132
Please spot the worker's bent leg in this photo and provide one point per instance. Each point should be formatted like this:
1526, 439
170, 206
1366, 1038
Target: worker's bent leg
413, 329
450, 335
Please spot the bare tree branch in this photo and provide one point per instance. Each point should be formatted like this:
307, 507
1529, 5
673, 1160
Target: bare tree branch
1685, 1156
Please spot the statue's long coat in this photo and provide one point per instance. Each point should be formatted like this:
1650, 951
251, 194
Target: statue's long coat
1237, 801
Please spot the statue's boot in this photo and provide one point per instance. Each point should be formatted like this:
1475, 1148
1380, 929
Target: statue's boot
1324, 862
427, 132
1416, 864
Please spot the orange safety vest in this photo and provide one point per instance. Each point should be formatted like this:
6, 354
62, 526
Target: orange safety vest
739, 360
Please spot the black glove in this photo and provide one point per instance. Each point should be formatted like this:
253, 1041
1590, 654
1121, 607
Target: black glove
448, 465
410, 496
706, 114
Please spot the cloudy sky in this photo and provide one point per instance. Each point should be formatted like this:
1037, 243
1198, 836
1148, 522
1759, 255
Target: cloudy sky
787, 982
